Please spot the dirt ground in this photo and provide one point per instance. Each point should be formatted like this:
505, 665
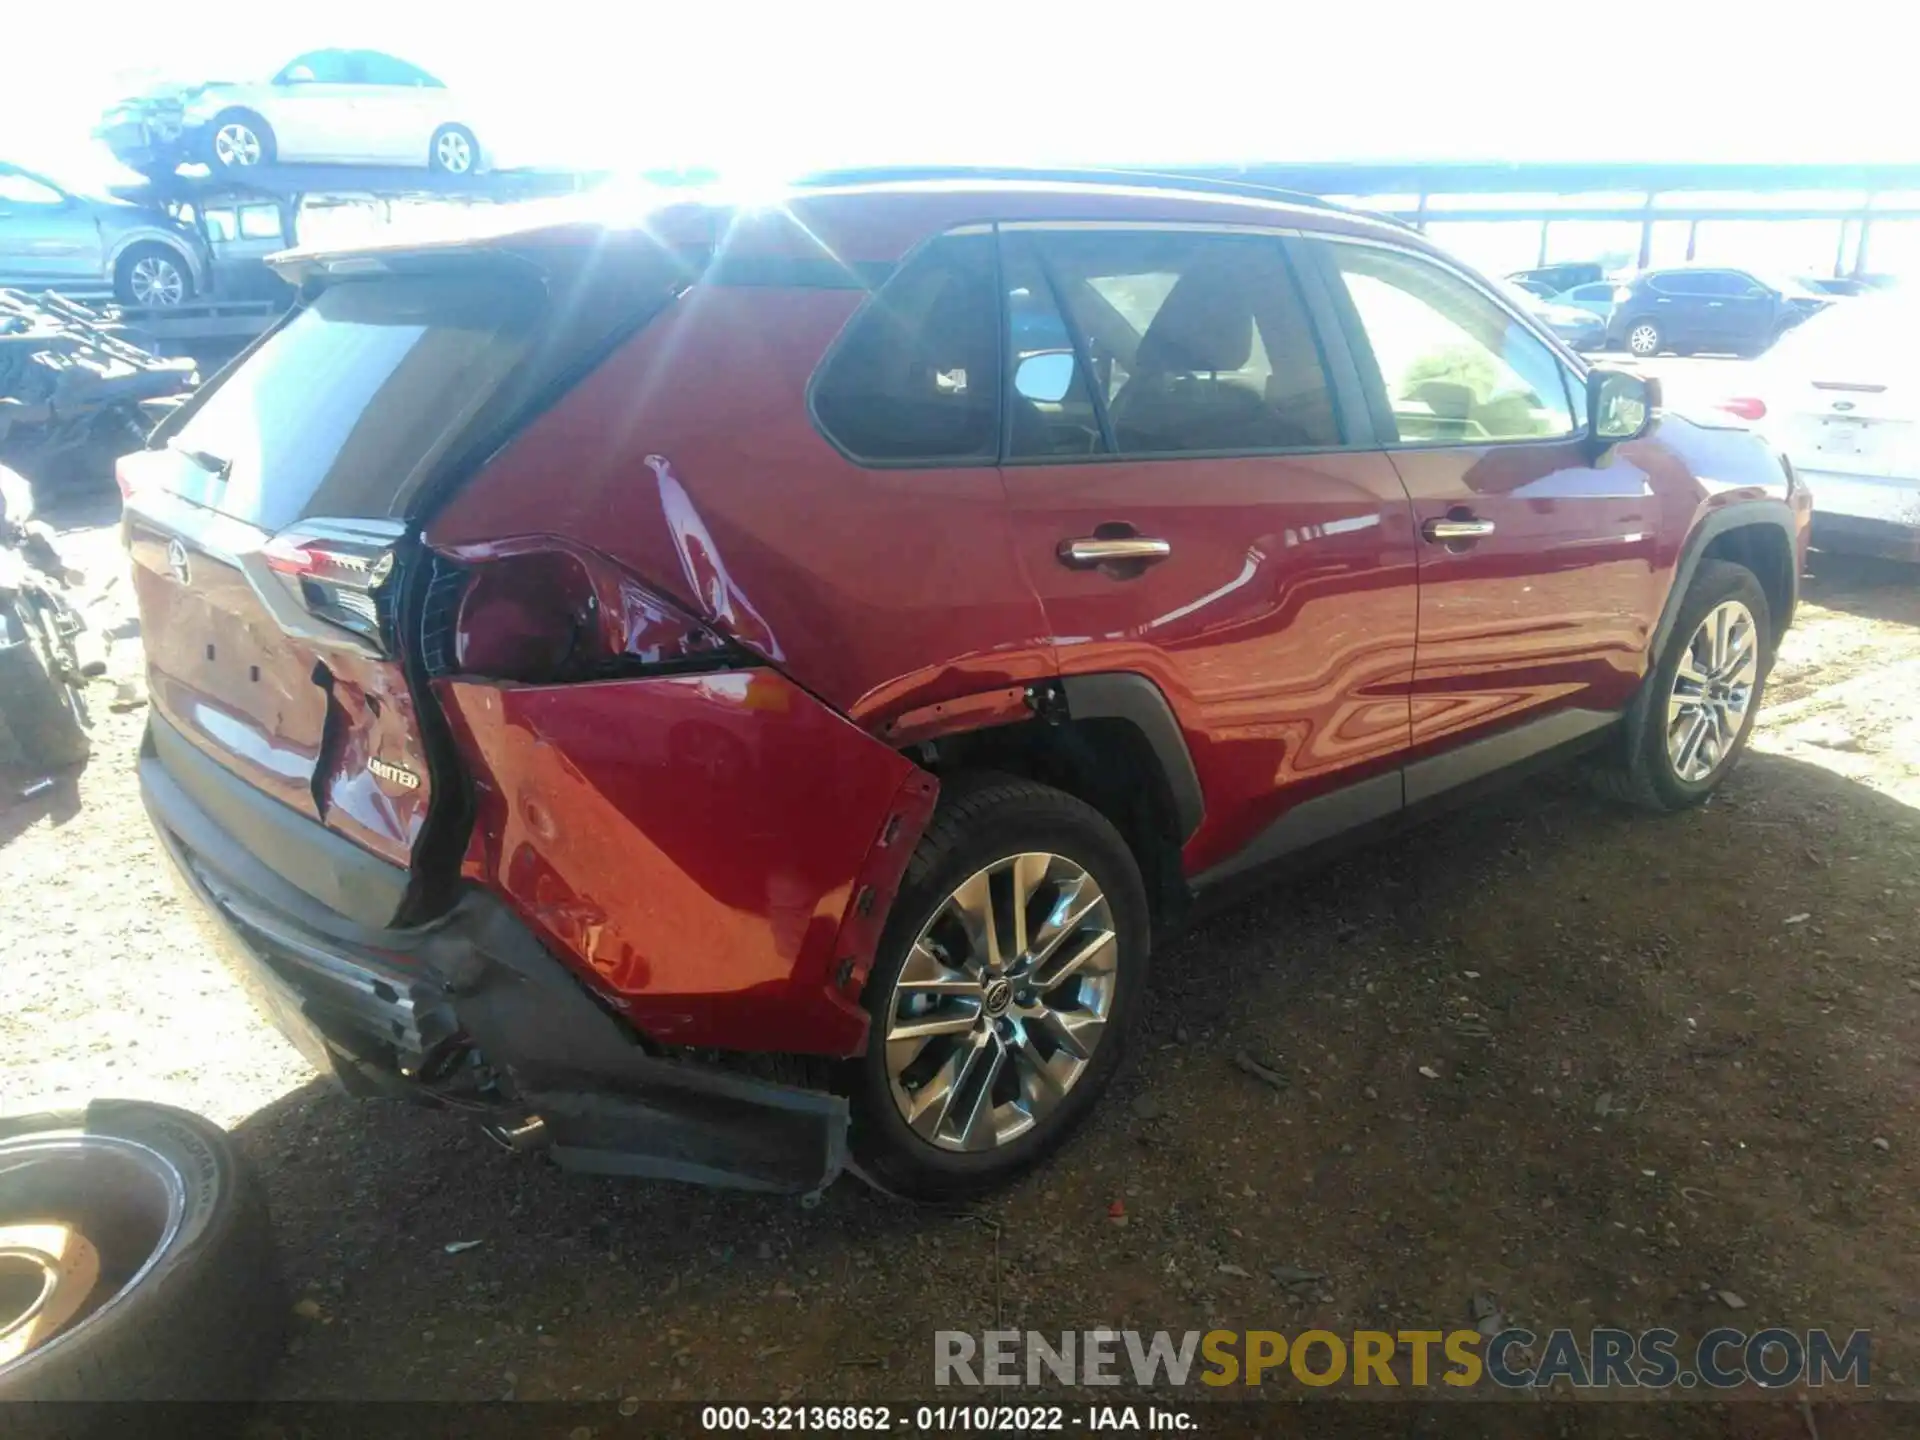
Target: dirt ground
1594, 1066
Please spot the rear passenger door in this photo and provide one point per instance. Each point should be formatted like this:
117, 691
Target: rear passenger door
1680, 310
1536, 564
1194, 502
1744, 308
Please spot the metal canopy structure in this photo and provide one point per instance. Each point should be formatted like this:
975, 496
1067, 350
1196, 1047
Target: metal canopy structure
1852, 194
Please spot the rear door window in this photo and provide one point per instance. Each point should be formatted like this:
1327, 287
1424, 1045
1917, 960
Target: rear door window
1681, 282
1052, 412
915, 378
341, 411
1454, 364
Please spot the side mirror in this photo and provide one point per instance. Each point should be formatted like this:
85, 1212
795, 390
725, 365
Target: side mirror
298, 75
1620, 406
1045, 377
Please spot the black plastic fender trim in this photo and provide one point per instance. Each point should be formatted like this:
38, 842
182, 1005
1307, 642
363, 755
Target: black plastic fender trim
1137, 700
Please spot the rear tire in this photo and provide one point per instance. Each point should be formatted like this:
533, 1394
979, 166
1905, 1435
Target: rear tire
1644, 339
187, 1310
1017, 1088
45, 718
1648, 769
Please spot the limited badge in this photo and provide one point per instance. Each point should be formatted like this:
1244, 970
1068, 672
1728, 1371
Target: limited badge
394, 774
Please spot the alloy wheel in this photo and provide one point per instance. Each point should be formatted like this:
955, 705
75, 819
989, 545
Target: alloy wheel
1643, 340
156, 280
454, 153
236, 144
1712, 691
1001, 1002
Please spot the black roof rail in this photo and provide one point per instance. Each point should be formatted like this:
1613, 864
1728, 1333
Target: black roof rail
1116, 175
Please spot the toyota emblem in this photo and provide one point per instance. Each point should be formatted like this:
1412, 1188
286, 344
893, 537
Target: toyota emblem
177, 562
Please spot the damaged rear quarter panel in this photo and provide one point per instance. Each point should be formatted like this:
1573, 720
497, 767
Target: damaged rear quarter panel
700, 847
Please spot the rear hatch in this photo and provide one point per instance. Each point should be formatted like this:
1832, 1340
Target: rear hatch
1844, 394
272, 524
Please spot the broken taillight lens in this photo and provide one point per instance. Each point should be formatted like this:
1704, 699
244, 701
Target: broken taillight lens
555, 613
338, 574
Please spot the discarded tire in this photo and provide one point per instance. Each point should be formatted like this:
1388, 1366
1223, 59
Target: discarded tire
136, 1261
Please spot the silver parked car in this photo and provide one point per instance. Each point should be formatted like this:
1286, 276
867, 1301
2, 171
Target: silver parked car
52, 239
340, 107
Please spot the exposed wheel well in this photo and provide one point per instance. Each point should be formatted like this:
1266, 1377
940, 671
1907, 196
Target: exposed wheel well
1766, 551
1106, 762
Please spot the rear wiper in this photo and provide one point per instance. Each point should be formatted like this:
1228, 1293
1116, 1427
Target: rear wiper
211, 463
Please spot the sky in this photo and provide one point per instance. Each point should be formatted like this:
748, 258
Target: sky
800, 86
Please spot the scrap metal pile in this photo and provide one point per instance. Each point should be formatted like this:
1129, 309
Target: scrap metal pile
71, 389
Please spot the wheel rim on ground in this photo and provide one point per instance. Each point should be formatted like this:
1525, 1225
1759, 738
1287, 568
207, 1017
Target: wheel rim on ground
1002, 1002
119, 1205
1712, 691
156, 280
1643, 340
454, 152
47, 1274
236, 144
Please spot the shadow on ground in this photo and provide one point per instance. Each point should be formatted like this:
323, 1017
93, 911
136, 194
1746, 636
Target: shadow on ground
1861, 585
1587, 1066
28, 796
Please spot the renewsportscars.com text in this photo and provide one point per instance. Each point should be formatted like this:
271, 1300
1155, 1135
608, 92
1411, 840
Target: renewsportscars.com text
1514, 1359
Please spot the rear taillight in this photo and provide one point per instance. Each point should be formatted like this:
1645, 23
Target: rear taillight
337, 574
1747, 407
550, 613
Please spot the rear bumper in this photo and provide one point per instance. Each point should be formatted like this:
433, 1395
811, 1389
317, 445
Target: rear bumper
1861, 535
474, 1011
1865, 514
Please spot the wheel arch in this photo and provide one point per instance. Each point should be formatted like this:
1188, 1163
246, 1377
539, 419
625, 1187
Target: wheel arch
126, 244
1758, 534
1111, 740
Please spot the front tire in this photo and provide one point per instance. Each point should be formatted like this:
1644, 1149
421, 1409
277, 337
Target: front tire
1692, 720
240, 140
152, 275
1009, 974
454, 151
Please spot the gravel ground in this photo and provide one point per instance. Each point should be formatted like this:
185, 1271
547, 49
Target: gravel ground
1592, 1067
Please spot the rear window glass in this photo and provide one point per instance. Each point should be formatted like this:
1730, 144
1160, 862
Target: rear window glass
340, 411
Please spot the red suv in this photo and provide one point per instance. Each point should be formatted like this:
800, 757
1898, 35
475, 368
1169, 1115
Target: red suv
738, 693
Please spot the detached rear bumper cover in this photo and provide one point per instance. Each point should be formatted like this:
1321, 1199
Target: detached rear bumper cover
369, 1004
715, 854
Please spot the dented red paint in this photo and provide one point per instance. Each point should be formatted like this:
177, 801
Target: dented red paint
699, 846
297, 721
716, 853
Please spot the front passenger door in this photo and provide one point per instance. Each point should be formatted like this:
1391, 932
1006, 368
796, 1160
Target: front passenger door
1536, 562
46, 236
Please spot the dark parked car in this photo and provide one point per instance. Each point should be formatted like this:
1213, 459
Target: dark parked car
53, 239
1564, 276
716, 695
1702, 308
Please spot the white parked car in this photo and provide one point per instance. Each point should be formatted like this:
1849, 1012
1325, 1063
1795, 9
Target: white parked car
341, 107
1840, 395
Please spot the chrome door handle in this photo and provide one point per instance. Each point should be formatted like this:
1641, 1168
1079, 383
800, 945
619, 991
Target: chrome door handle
1085, 554
1444, 530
